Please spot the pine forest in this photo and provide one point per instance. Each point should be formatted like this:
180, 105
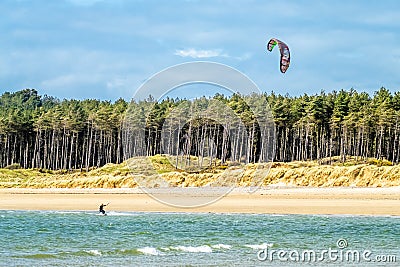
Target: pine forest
45, 132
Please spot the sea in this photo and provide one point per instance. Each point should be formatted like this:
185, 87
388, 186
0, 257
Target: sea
82, 238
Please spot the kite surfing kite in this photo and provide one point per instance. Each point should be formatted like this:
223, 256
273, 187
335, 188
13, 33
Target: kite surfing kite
285, 53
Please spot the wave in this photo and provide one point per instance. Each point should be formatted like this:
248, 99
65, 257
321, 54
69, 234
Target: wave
261, 246
150, 251
221, 246
83, 212
67, 212
115, 213
352, 216
94, 252
202, 249
39, 256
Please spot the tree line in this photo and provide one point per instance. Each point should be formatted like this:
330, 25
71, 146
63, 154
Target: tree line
45, 132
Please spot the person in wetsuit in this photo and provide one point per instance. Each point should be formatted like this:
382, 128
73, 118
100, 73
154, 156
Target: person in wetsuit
101, 209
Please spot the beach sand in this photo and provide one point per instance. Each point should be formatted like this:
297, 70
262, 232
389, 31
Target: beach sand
270, 200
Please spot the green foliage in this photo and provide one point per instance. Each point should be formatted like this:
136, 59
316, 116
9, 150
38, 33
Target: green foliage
341, 106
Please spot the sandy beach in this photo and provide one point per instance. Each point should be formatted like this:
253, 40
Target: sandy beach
301, 200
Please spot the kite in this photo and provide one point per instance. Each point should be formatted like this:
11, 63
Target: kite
285, 53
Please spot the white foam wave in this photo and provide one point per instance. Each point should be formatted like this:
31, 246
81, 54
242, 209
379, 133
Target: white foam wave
94, 252
150, 251
67, 212
114, 213
203, 249
221, 246
261, 246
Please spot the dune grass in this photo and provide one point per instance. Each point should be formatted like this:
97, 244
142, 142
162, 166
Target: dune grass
159, 170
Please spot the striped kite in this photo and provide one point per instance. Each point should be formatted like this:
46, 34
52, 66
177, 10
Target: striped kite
285, 53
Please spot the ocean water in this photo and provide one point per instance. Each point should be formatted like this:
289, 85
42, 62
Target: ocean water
56, 238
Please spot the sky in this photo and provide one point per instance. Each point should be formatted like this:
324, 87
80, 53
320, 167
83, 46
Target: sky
106, 49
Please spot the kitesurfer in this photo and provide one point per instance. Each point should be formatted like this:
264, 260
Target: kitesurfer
101, 209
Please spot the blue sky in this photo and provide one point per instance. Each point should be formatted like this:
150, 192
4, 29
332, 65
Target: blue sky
107, 49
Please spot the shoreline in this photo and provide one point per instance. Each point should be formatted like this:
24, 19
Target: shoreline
267, 200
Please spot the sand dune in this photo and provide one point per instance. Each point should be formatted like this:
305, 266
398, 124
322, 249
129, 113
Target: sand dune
143, 172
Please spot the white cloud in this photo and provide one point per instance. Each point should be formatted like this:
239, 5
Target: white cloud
191, 52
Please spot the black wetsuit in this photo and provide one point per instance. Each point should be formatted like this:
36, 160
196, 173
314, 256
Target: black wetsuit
101, 209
